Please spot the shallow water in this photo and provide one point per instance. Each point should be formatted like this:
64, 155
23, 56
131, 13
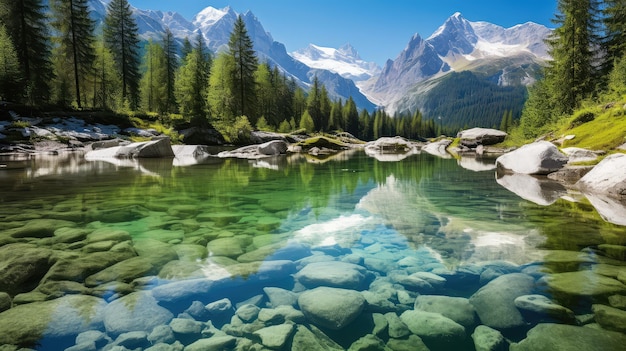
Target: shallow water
159, 238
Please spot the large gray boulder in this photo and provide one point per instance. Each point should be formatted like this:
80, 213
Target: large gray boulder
333, 274
540, 157
438, 148
51, 323
135, 312
608, 177
434, 328
156, 148
481, 136
495, 302
273, 148
458, 309
331, 308
561, 337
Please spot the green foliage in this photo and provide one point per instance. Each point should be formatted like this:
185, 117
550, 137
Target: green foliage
240, 48
153, 91
121, 37
10, 77
74, 38
466, 98
106, 90
581, 117
220, 95
306, 122
261, 124
25, 21
238, 132
192, 81
285, 127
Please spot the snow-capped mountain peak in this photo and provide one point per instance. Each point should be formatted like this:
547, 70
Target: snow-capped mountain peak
344, 61
209, 16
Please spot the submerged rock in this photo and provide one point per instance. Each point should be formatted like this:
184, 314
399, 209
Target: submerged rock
581, 285
610, 318
331, 308
540, 157
488, 339
135, 312
52, 324
434, 328
543, 306
561, 337
495, 304
458, 309
333, 274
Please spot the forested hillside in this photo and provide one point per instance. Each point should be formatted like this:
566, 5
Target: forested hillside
464, 99
54, 58
587, 76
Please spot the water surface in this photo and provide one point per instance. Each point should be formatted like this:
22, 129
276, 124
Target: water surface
98, 233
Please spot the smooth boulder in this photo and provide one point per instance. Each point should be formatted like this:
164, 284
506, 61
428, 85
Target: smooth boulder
331, 308
481, 136
333, 274
495, 302
541, 157
561, 337
607, 177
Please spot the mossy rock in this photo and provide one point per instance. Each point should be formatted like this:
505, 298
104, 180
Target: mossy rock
322, 142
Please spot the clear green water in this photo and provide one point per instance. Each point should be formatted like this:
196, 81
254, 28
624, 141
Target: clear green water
221, 219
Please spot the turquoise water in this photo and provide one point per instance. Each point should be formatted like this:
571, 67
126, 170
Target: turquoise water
79, 240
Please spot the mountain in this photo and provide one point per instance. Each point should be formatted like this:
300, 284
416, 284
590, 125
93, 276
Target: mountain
344, 61
215, 27
498, 60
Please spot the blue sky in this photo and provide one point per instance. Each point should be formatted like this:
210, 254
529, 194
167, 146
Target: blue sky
378, 29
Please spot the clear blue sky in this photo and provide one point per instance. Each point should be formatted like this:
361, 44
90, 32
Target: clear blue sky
378, 29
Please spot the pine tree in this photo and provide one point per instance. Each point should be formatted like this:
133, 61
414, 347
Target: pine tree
171, 65
25, 21
573, 49
265, 92
185, 49
121, 36
153, 91
192, 81
107, 84
351, 116
10, 78
314, 103
220, 97
74, 34
240, 48
615, 32
306, 122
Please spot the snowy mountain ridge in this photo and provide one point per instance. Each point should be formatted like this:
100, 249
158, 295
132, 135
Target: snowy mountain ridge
345, 61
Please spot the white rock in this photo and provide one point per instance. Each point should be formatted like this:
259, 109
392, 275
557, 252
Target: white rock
608, 177
540, 157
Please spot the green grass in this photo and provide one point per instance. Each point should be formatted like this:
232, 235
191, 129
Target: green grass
606, 132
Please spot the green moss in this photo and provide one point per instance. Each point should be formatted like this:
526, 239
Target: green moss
606, 132
322, 141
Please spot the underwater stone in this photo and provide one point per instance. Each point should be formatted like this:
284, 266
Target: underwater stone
544, 306
215, 343
582, 284
368, 343
433, 327
276, 336
22, 266
51, 323
412, 343
219, 307
132, 340
562, 337
494, 302
135, 312
488, 339
397, 329
278, 296
458, 309
161, 334
333, 274
229, 247
331, 308
610, 318
313, 340
248, 312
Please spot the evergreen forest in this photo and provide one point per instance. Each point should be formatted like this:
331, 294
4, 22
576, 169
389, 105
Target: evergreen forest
53, 57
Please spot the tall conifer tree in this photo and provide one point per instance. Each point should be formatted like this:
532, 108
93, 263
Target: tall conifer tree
615, 31
25, 21
241, 48
121, 37
74, 35
171, 65
10, 77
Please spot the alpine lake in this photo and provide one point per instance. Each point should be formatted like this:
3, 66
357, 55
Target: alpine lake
347, 252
